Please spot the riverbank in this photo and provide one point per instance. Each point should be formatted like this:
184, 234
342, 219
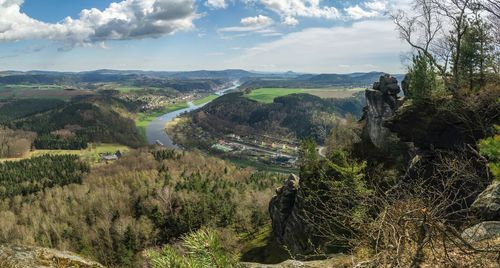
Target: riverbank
155, 129
144, 119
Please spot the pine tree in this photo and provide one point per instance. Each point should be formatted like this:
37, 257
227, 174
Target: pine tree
422, 78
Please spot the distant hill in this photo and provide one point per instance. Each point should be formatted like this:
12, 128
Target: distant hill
228, 74
106, 75
319, 80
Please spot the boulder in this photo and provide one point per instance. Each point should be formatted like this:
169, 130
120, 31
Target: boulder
387, 85
12, 256
482, 231
382, 102
284, 209
487, 204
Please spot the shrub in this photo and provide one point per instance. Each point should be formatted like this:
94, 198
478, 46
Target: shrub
202, 249
490, 148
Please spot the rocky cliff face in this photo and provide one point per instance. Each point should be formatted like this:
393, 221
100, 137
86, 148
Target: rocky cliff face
284, 209
382, 102
12, 256
286, 206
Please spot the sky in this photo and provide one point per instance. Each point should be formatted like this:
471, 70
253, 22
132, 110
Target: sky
310, 36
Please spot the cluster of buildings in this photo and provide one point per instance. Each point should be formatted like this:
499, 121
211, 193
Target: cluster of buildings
110, 156
262, 148
150, 102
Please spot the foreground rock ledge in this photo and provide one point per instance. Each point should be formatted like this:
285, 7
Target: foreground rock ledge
12, 256
337, 261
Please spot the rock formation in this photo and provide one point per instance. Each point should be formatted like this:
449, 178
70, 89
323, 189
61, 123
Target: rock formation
482, 231
405, 84
487, 208
35, 257
382, 102
338, 260
487, 204
284, 209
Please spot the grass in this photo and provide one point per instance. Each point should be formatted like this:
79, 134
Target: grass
91, 154
337, 93
207, 99
261, 247
267, 95
144, 119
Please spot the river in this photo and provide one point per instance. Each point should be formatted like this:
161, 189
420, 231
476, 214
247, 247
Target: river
155, 131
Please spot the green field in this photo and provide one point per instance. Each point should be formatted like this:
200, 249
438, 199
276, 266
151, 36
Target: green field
267, 95
91, 154
144, 119
126, 89
209, 98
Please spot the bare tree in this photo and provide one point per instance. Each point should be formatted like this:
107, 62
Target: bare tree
422, 29
491, 6
436, 29
455, 12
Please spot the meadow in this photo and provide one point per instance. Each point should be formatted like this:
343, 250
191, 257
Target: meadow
267, 95
206, 99
91, 154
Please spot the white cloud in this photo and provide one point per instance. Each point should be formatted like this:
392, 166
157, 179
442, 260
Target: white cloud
376, 5
301, 8
375, 8
216, 4
260, 21
356, 12
128, 19
252, 25
290, 21
360, 47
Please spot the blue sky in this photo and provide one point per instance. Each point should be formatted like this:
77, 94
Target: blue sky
267, 35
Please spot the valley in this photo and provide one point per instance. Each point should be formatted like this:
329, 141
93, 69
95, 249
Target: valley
329, 134
210, 161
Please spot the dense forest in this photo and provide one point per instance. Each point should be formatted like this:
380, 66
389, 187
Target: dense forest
297, 115
93, 119
136, 203
35, 174
15, 109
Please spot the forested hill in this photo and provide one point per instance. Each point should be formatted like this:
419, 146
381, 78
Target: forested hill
74, 124
299, 115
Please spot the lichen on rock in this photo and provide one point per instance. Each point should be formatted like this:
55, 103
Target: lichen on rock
14, 256
487, 204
